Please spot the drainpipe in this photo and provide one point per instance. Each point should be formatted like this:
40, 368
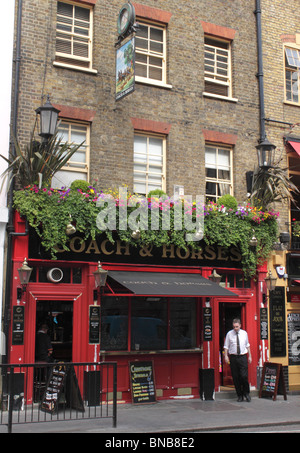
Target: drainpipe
10, 226
260, 74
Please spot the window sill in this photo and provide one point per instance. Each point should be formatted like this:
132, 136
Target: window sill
161, 351
157, 83
217, 96
295, 104
74, 68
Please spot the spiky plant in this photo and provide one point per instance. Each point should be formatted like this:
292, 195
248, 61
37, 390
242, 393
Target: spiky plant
38, 162
271, 185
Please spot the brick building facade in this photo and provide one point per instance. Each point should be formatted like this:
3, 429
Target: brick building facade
194, 116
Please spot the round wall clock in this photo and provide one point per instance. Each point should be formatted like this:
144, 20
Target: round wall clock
126, 18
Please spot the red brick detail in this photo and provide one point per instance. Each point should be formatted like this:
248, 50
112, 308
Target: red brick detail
288, 38
219, 137
75, 113
218, 30
146, 12
87, 2
150, 126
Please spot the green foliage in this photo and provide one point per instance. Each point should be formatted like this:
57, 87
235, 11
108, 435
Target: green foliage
271, 185
156, 193
80, 184
48, 211
228, 201
38, 161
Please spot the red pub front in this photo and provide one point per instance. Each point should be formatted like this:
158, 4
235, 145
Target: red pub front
157, 306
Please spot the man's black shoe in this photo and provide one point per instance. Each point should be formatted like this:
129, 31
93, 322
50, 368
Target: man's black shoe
248, 398
240, 399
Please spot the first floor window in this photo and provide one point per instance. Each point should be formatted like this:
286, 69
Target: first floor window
150, 56
292, 78
74, 35
148, 323
78, 166
218, 171
217, 67
149, 163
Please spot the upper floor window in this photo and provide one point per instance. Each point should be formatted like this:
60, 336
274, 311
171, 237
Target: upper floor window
74, 25
150, 56
217, 67
78, 166
218, 171
149, 163
292, 78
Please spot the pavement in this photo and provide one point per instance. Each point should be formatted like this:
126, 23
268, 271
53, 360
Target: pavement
181, 416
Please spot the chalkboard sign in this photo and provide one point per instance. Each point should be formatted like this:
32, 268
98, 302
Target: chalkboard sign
277, 323
62, 380
272, 382
294, 338
142, 382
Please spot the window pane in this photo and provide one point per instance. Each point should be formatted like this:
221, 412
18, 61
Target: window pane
148, 324
210, 157
114, 323
182, 323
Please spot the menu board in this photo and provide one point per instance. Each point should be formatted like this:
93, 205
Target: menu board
142, 382
62, 380
272, 382
18, 325
277, 323
207, 324
94, 324
294, 338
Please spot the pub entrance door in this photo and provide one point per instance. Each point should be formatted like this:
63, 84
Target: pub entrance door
58, 315
227, 313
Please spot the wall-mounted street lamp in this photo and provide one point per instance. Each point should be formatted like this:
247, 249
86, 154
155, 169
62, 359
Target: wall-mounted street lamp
265, 154
48, 119
270, 281
24, 274
100, 276
214, 277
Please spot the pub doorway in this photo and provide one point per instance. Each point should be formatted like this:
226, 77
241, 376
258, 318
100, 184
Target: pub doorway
227, 313
58, 315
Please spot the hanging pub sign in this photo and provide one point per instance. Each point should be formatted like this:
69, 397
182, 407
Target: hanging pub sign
125, 69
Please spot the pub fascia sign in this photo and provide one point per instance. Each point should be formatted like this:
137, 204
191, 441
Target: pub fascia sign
104, 248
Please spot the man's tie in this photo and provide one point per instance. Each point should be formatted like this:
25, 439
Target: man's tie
238, 349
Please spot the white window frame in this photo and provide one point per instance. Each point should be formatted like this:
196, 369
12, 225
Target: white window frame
148, 53
214, 76
290, 67
217, 180
149, 163
70, 60
82, 168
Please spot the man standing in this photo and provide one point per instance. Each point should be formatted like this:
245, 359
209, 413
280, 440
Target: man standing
43, 346
236, 348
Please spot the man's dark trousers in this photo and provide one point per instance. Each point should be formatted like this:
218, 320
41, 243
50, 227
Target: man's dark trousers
239, 371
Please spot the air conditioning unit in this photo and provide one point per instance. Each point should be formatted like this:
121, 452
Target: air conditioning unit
55, 275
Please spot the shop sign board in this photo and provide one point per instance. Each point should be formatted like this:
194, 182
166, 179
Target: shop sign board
294, 338
277, 322
142, 382
272, 381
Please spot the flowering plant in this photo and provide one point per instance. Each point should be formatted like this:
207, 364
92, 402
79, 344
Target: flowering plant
159, 220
